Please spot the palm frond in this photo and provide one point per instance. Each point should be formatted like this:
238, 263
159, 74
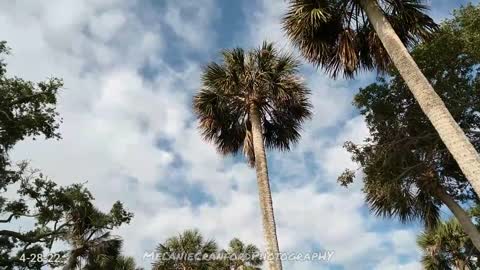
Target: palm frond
444, 246
394, 190
410, 21
186, 243
337, 35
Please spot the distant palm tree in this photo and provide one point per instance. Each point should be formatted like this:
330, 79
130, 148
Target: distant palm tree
251, 101
174, 253
124, 263
349, 35
447, 247
243, 257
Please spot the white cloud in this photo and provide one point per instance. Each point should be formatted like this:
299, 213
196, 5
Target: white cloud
393, 263
404, 242
190, 20
336, 158
267, 23
106, 25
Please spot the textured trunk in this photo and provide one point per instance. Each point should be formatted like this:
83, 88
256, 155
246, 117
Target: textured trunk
432, 105
463, 218
461, 265
266, 205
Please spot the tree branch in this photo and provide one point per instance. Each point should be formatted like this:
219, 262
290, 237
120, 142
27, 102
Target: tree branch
8, 219
19, 215
31, 239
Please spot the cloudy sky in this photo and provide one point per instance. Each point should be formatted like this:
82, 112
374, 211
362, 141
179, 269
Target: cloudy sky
130, 69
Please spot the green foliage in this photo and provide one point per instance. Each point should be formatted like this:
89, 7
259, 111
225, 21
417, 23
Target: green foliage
173, 254
447, 247
262, 77
187, 243
58, 213
26, 110
90, 238
404, 159
124, 263
465, 26
337, 35
238, 250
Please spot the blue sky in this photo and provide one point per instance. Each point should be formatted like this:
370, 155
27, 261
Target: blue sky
130, 70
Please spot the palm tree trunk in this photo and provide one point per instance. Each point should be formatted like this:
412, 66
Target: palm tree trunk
463, 218
461, 265
432, 105
266, 205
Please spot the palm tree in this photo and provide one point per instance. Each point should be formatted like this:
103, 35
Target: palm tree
447, 247
409, 194
124, 263
179, 252
243, 257
93, 253
409, 173
251, 101
350, 35
93, 247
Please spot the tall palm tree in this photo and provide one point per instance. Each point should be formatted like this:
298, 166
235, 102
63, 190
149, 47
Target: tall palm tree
175, 252
251, 101
447, 247
409, 173
349, 35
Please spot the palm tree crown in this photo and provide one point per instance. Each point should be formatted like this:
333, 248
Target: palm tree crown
261, 77
242, 256
447, 247
125, 263
92, 243
175, 251
337, 35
